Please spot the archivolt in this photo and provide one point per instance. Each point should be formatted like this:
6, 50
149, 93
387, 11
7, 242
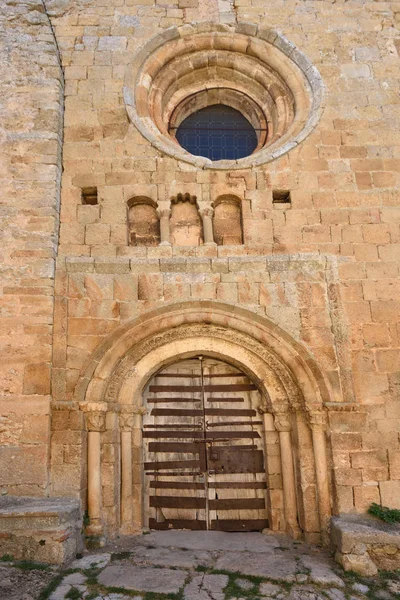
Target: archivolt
284, 370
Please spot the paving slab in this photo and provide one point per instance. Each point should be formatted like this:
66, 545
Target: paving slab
321, 573
143, 579
215, 540
274, 566
206, 587
305, 593
171, 557
91, 560
270, 589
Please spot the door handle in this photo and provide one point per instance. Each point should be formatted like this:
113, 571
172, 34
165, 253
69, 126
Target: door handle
212, 472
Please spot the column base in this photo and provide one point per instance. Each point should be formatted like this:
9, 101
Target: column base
294, 532
95, 528
165, 244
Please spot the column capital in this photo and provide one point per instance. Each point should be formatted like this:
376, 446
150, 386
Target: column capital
163, 213
282, 422
95, 413
96, 420
318, 419
263, 407
127, 416
126, 421
206, 211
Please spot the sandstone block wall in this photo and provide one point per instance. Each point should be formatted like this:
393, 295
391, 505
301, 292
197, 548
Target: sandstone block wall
343, 306
31, 107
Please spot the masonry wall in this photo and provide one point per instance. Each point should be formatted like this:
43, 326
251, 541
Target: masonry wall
30, 166
344, 219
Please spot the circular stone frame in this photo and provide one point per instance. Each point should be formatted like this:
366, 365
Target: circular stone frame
253, 69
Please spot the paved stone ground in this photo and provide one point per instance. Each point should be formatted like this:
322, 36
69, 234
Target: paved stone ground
180, 565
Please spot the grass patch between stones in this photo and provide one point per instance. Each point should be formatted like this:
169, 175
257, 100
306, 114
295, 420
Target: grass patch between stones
30, 565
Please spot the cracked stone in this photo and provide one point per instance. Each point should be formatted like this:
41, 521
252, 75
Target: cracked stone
206, 587
91, 560
269, 589
305, 593
60, 592
74, 579
335, 594
360, 587
259, 565
143, 579
321, 573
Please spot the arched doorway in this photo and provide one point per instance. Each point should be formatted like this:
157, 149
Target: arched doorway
293, 396
203, 446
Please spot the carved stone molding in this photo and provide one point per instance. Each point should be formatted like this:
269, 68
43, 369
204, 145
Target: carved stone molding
318, 419
208, 211
184, 198
126, 421
163, 213
282, 422
126, 367
96, 421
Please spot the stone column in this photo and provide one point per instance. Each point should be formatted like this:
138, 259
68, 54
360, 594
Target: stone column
318, 428
208, 230
164, 215
96, 423
126, 422
283, 426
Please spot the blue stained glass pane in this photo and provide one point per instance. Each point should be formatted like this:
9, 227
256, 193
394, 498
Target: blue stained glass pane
217, 132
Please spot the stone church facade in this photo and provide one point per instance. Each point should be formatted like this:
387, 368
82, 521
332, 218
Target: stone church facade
124, 255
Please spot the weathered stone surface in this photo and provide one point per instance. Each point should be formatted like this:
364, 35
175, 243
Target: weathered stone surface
320, 268
206, 587
42, 529
143, 579
260, 565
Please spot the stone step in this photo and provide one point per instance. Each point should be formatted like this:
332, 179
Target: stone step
41, 529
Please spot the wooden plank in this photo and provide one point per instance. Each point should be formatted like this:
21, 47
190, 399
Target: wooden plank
211, 412
173, 464
231, 412
176, 412
174, 473
176, 485
176, 502
237, 503
173, 425
230, 423
239, 525
225, 400
230, 387
226, 435
188, 448
194, 525
172, 400
173, 434
197, 376
238, 485
209, 435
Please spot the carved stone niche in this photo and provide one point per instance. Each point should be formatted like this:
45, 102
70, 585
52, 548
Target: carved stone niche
228, 229
143, 222
185, 222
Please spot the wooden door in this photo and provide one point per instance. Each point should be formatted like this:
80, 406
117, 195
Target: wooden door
203, 463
